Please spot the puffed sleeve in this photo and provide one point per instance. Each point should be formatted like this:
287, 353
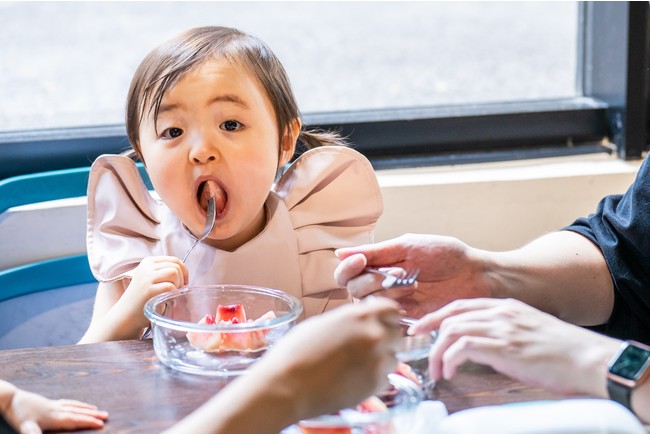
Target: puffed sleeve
334, 201
123, 225
620, 227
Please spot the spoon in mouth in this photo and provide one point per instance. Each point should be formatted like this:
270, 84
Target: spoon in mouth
209, 225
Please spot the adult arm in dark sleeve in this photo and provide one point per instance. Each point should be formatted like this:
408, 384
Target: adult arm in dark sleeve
620, 227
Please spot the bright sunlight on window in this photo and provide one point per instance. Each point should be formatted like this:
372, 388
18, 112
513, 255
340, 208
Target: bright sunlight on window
68, 64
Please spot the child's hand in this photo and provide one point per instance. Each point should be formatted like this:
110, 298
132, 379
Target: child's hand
31, 413
154, 275
119, 312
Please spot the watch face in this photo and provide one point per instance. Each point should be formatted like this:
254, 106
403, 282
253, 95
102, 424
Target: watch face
631, 363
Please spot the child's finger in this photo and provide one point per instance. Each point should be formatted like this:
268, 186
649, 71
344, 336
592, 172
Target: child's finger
81, 408
73, 421
75, 403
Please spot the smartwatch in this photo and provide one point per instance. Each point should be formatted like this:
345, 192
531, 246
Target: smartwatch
629, 367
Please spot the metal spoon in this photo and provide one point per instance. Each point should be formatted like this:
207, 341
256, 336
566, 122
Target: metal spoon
209, 225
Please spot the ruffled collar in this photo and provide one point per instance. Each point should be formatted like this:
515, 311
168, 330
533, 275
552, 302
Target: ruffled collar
328, 198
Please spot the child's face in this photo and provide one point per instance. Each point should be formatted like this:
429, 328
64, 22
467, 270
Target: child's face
216, 124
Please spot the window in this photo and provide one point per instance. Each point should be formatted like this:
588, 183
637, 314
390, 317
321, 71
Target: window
409, 82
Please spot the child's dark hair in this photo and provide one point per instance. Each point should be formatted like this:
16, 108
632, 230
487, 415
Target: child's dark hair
165, 65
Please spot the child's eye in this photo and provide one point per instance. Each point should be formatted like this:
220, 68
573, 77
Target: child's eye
231, 125
172, 133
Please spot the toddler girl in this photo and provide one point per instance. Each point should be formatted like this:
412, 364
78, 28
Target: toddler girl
211, 114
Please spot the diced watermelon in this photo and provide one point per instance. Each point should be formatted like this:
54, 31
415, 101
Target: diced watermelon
325, 430
406, 371
230, 341
230, 312
372, 405
258, 337
369, 405
385, 427
206, 341
375, 405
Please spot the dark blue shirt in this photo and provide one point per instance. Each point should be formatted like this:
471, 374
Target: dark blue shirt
620, 227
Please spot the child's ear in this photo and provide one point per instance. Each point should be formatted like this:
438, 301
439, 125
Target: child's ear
289, 140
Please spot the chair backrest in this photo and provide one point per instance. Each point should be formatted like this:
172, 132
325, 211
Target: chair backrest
46, 287
55, 272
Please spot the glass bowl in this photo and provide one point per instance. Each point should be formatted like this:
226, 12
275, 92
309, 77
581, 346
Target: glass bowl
399, 400
186, 340
413, 351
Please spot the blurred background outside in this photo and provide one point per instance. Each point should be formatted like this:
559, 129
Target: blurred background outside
68, 64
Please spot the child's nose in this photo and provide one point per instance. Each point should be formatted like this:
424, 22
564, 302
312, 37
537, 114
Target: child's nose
203, 150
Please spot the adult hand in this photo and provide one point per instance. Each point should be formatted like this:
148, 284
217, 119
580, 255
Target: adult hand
449, 269
325, 363
519, 341
31, 413
337, 359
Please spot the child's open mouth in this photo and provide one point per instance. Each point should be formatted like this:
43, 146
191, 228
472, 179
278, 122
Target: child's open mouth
208, 189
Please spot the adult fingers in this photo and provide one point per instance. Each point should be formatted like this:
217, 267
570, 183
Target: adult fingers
449, 336
477, 349
433, 320
382, 253
349, 268
375, 324
384, 313
365, 283
383, 307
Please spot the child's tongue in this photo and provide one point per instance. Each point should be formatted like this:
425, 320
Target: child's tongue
212, 189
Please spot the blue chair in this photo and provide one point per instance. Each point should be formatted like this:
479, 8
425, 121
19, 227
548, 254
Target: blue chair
55, 277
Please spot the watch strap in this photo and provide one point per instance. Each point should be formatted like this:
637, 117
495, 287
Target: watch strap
619, 392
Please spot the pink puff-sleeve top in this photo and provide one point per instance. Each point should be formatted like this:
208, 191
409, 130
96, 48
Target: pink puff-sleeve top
328, 198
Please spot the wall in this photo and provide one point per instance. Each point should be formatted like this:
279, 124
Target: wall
499, 205
492, 206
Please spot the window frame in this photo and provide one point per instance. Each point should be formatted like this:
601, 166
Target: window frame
611, 115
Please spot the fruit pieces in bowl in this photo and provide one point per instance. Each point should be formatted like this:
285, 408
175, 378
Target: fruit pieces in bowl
369, 405
176, 313
387, 412
407, 372
217, 342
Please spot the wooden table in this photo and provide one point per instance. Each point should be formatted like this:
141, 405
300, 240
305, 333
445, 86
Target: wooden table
143, 396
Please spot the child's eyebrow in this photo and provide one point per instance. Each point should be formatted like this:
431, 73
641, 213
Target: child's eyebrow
229, 98
167, 108
220, 98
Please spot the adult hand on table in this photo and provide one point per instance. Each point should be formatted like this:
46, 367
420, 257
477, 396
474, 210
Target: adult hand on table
521, 342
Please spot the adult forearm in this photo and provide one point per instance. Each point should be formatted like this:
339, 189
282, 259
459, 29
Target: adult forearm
7, 392
562, 273
251, 404
641, 402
